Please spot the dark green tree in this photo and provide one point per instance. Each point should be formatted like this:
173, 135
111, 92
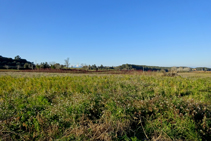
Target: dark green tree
17, 57
26, 66
94, 67
101, 67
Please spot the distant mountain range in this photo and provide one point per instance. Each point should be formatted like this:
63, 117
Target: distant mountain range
76, 66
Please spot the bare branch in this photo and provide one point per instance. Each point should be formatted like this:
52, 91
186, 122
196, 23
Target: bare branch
67, 63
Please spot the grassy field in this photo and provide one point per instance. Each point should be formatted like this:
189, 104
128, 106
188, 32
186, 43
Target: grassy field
41, 74
196, 74
44, 106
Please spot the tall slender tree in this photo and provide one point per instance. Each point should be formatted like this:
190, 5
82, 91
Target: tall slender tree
67, 62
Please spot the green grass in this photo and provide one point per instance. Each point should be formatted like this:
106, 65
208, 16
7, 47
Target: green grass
104, 107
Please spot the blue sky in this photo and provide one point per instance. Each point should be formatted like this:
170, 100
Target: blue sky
108, 32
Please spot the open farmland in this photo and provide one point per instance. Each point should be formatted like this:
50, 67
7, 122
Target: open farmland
40, 106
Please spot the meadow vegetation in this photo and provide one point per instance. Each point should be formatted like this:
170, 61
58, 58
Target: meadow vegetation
105, 107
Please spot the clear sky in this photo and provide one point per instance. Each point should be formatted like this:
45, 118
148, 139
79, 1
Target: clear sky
108, 32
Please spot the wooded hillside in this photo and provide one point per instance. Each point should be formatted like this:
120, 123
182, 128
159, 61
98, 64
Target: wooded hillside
16, 63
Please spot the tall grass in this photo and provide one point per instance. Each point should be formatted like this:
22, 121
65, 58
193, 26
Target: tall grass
112, 107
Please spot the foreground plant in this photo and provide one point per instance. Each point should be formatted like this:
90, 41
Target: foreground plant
112, 107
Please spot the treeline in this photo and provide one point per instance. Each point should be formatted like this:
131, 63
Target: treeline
202, 69
52, 65
94, 67
19, 63
144, 68
127, 67
157, 68
16, 63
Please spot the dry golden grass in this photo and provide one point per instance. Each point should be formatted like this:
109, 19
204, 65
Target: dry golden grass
196, 74
40, 74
